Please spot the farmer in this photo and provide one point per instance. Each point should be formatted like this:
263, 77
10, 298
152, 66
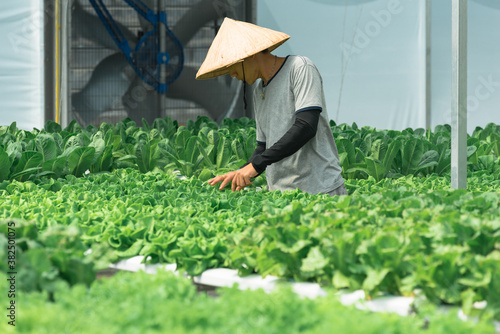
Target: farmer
295, 145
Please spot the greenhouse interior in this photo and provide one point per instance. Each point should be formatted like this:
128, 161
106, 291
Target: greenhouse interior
250, 166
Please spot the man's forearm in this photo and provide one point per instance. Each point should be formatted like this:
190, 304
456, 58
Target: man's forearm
303, 130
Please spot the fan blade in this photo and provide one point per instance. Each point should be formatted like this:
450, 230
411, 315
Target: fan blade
141, 101
145, 24
109, 81
90, 27
212, 95
201, 13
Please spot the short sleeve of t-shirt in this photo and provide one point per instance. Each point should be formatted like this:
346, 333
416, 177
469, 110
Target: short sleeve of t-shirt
260, 137
307, 87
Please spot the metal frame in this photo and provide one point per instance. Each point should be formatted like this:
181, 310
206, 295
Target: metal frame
161, 4
428, 68
56, 61
64, 51
251, 11
50, 59
459, 95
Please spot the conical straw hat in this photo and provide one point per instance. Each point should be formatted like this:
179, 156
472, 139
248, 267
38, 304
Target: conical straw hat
235, 41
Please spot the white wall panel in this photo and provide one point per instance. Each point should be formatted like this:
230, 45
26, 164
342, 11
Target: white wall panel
371, 54
21, 63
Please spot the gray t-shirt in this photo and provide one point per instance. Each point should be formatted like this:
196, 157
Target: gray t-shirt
296, 87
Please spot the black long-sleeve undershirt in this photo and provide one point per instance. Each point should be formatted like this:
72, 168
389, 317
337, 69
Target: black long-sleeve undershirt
303, 129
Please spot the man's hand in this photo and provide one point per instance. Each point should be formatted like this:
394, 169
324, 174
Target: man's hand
239, 178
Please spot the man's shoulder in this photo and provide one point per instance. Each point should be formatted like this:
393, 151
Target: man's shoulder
300, 60
301, 65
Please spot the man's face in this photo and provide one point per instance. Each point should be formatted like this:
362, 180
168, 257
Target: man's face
251, 70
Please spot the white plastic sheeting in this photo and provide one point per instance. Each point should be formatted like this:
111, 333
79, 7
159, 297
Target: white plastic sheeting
21, 63
371, 54
223, 277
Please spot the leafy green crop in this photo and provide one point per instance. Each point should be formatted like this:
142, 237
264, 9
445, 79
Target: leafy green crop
368, 152
401, 231
205, 148
199, 147
43, 259
166, 303
394, 236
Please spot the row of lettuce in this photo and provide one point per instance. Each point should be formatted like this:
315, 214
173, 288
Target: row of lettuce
166, 303
402, 231
405, 236
204, 148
